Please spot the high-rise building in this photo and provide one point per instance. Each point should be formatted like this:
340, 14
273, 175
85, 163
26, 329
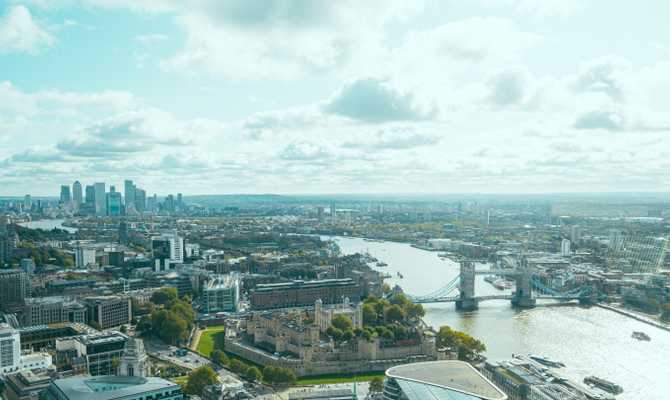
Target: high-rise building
114, 203
11, 359
169, 203
27, 203
575, 233
565, 248
160, 252
65, 197
180, 202
89, 200
84, 257
123, 233
100, 198
77, 198
140, 200
14, 287
129, 196
28, 265
152, 203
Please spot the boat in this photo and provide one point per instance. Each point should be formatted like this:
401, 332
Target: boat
382, 264
603, 384
640, 336
400, 275
546, 361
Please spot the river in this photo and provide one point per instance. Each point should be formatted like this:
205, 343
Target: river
589, 340
47, 225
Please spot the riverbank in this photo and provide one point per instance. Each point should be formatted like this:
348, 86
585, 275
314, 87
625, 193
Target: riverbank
635, 316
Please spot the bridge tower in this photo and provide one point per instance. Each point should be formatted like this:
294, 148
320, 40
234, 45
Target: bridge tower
467, 300
523, 296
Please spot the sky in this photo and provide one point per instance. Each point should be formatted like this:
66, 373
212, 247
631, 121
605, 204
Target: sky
306, 97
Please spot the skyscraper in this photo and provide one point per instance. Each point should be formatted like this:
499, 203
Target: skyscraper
89, 203
140, 200
114, 203
100, 198
27, 203
129, 195
180, 202
65, 197
77, 197
14, 287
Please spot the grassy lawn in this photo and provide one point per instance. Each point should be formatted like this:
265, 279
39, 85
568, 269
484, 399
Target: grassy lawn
338, 378
210, 339
181, 380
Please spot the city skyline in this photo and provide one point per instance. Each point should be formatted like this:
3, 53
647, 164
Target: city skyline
489, 96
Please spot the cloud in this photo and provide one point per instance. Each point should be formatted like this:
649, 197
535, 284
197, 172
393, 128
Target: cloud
604, 75
131, 132
599, 119
374, 100
266, 124
38, 155
507, 88
20, 33
398, 138
304, 151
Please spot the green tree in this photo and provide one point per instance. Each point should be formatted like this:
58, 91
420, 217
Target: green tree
342, 322
253, 374
164, 296
467, 346
369, 314
377, 384
219, 357
237, 366
173, 329
394, 313
199, 378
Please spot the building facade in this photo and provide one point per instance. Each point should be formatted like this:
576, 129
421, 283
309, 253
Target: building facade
107, 312
112, 388
304, 293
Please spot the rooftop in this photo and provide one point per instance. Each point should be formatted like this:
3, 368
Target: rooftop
109, 387
453, 375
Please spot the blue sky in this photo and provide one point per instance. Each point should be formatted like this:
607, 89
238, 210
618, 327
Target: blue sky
297, 96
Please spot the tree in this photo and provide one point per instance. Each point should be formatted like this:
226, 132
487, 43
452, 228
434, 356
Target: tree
165, 296
253, 374
123, 329
394, 313
238, 366
219, 357
377, 384
199, 378
369, 314
342, 322
467, 346
173, 329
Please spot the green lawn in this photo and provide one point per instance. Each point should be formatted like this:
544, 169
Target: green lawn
210, 339
338, 378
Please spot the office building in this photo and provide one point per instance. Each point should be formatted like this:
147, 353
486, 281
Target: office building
222, 294
113, 388
92, 354
51, 310
160, 252
100, 198
140, 200
77, 196
27, 203
123, 233
129, 196
180, 202
14, 287
65, 197
11, 359
439, 380
108, 311
304, 293
565, 248
88, 207
113, 202
84, 257
28, 266
29, 384
575, 233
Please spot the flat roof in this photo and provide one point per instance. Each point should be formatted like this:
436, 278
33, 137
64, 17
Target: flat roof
109, 387
453, 375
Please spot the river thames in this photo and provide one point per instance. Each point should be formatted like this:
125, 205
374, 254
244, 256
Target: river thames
590, 341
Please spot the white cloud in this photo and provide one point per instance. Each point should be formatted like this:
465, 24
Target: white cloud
20, 33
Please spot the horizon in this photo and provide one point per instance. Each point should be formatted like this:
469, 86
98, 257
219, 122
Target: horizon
284, 96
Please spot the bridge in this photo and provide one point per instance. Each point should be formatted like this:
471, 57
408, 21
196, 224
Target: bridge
529, 288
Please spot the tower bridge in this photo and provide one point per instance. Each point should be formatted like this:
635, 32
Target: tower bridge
529, 288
